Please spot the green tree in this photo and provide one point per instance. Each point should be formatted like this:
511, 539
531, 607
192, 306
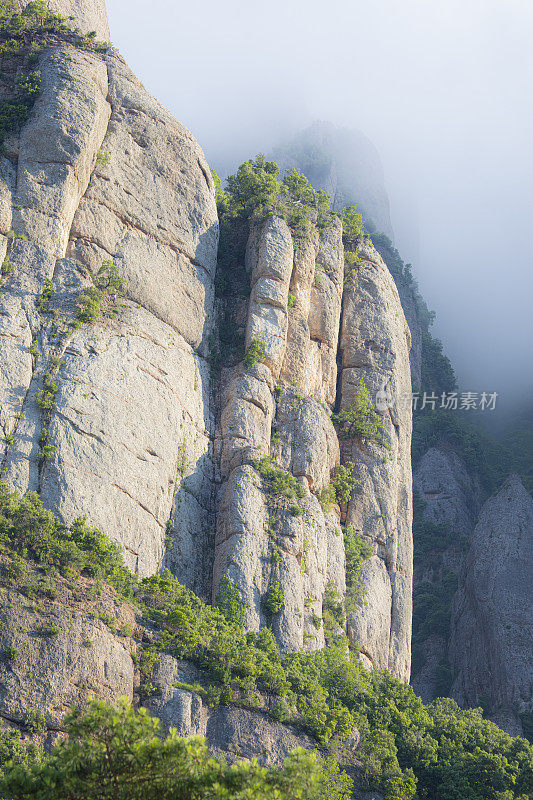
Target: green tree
296, 185
274, 600
353, 228
221, 198
361, 419
89, 304
343, 482
255, 185
109, 280
115, 753
230, 602
357, 550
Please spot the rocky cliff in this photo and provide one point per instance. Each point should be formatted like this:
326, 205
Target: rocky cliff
316, 353
112, 407
127, 392
89, 16
450, 500
492, 613
243, 422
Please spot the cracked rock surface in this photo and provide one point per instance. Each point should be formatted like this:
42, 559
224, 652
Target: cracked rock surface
145, 437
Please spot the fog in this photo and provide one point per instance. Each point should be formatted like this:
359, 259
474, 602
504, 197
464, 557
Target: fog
443, 89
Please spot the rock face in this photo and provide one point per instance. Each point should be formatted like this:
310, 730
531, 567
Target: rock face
452, 496
234, 732
119, 414
412, 316
492, 616
122, 415
130, 426
132, 404
78, 643
489, 553
452, 500
66, 648
316, 351
375, 350
257, 534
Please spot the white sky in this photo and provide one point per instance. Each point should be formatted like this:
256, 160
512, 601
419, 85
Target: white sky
444, 90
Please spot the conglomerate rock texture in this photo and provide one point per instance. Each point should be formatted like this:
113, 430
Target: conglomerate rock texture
142, 435
130, 392
317, 350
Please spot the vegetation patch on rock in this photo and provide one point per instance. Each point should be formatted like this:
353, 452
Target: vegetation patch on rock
438, 751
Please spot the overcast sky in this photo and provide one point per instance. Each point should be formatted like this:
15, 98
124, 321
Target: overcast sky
444, 90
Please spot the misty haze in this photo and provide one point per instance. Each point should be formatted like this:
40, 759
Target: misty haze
442, 90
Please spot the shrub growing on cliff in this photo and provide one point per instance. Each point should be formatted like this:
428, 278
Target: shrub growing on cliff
357, 550
27, 527
230, 602
343, 482
255, 354
352, 265
89, 305
37, 24
341, 488
274, 600
103, 296
23, 35
353, 228
15, 112
7, 268
256, 190
297, 218
278, 482
297, 187
45, 397
43, 300
361, 419
109, 280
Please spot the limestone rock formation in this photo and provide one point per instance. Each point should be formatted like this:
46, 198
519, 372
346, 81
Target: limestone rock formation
493, 613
